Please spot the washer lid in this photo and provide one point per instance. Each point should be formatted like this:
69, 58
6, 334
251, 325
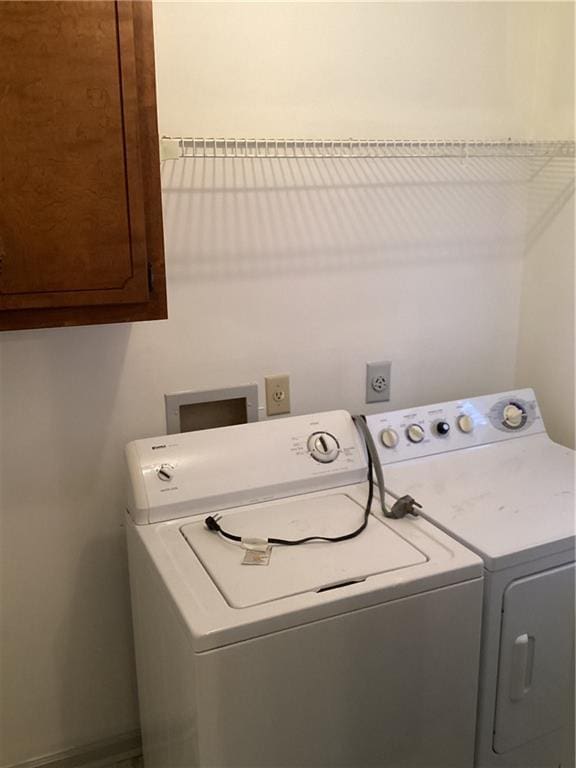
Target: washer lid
312, 567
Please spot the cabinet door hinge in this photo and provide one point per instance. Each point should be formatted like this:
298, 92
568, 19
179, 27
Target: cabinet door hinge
150, 278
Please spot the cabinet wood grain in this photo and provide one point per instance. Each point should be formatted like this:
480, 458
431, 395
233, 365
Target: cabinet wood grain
80, 205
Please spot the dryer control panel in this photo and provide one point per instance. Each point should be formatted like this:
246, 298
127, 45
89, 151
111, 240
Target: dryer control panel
197, 472
429, 429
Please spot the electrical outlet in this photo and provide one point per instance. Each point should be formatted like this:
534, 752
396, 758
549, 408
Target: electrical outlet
378, 377
277, 394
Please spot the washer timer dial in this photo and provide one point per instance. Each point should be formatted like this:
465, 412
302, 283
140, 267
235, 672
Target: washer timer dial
323, 447
165, 472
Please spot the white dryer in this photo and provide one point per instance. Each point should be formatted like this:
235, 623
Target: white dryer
363, 652
487, 473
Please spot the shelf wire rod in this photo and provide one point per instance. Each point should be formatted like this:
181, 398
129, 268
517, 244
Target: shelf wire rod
349, 148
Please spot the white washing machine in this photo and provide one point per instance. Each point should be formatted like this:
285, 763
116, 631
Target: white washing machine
487, 473
362, 652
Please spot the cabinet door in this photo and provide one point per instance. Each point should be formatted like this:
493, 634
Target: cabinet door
75, 161
535, 683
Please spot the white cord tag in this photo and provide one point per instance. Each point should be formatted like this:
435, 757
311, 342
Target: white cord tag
258, 551
260, 545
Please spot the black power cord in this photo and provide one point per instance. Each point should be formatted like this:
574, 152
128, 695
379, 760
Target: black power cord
213, 525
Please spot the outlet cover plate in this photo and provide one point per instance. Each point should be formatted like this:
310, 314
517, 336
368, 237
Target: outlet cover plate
277, 394
378, 380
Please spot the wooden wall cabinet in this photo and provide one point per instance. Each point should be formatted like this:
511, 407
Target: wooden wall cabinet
80, 203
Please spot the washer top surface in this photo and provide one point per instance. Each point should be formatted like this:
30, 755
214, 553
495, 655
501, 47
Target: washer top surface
391, 560
511, 502
311, 567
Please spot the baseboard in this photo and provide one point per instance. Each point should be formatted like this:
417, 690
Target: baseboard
96, 755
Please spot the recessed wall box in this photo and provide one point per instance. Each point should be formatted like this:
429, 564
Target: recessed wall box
209, 408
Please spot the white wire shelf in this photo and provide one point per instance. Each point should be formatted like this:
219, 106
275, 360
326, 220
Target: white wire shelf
172, 147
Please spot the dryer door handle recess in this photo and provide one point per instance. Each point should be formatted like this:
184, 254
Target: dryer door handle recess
522, 666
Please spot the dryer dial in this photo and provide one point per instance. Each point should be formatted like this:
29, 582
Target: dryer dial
323, 447
442, 428
465, 423
389, 438
513, 416
415, 433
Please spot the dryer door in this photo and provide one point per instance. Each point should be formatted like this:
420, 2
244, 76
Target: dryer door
536, 648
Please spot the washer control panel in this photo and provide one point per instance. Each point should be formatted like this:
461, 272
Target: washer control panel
426, 430
197, 472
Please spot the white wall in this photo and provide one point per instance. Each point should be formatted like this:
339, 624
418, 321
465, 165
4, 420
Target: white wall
308, 268
546, 344
367, 70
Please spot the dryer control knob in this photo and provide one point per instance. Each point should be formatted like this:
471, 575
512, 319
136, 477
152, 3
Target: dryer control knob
415, 433
465, 423
323, 447
389, 438
513, 416
165, 473
442, 428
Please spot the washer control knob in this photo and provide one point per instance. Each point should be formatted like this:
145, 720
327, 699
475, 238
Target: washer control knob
323, 447
513, 416
389, 438
415, 433
165, 472
465, 423
442, 428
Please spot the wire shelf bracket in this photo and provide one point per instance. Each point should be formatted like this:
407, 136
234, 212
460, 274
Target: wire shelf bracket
172, 147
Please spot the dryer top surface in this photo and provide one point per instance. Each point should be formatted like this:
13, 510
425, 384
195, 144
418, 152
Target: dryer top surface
511, 502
